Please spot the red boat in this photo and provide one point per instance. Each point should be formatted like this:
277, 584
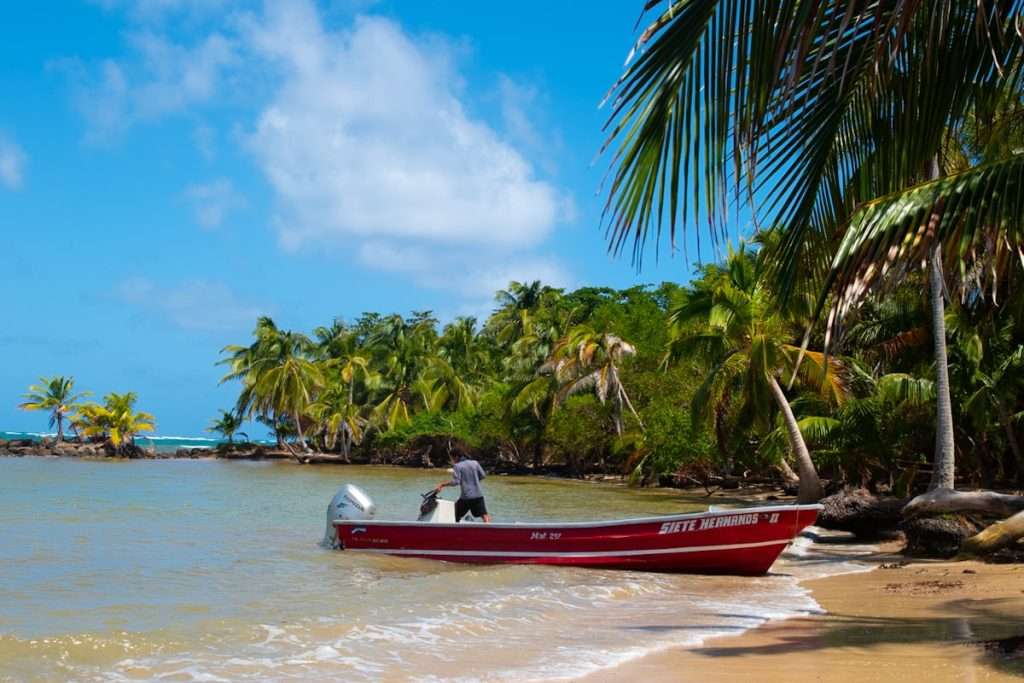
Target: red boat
744, 541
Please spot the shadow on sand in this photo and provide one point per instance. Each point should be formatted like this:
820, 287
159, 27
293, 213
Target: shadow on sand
987, 625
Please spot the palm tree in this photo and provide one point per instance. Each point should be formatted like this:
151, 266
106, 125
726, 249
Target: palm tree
288, 388
278, 377
517, 305
991, 370
865, 431
334, 340
227, 425
747, 342
442, 388
468, 353
586, 360
404, 349
835, 118
350, 367
54, 396
537, 398
116, 420
338, 415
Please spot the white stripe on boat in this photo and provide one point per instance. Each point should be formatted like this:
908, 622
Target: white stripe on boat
580, 554
611, 522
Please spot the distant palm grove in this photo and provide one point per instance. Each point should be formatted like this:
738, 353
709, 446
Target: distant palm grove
693, 383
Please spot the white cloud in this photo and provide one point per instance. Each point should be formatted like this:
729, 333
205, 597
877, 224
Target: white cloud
201, 305
163, 78
12, 164
212, 201
367, 137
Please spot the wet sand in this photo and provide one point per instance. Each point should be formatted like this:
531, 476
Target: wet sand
923, 621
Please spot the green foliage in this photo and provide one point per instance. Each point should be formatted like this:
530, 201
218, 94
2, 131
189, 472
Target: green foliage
553, 377
55, 396
227, 425
672, 443
116, 420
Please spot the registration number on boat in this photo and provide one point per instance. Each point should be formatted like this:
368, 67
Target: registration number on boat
545, 535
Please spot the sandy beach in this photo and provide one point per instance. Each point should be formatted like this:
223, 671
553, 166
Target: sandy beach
918, 621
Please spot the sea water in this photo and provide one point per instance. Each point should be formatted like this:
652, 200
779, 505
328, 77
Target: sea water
187, 570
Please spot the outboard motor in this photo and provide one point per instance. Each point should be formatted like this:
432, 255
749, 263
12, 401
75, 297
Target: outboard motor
351, 503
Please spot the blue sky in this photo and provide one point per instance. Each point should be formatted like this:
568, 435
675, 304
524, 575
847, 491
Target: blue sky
170, 169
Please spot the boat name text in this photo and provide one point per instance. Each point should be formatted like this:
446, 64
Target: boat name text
684, 525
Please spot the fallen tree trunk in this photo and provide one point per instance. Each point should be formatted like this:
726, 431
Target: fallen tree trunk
943, 501
995, 537
313, 458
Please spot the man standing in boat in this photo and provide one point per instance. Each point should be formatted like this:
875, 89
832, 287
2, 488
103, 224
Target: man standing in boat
466, 474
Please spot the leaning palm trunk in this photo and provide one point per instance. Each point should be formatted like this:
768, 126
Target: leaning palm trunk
60, 427
788, 475
624, 399
302, 437
346, 441
810, 485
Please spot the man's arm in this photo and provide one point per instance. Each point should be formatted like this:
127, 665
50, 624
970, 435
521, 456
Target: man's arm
454, 481
480, 471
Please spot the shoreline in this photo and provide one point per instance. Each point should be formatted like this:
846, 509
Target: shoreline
921, 620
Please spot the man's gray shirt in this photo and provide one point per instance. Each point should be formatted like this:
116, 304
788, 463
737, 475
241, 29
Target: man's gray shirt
467, 474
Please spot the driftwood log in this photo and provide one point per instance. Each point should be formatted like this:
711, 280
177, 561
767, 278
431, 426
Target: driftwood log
995, 537
944, 501
991, 539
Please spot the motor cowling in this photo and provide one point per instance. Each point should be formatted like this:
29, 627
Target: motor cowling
349, 503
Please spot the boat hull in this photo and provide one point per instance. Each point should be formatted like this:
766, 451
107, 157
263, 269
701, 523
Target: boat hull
743, 541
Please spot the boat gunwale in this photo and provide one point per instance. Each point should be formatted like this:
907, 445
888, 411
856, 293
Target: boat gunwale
600, 523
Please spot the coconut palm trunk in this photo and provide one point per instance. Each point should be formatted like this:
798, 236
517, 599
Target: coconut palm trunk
810, 485
944, 464
60, 426
303, 446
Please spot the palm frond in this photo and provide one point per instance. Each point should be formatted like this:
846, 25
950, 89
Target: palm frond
893, 234
904, 388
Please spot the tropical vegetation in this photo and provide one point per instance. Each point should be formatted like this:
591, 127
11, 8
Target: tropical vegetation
879, 136
698, 383
115, 422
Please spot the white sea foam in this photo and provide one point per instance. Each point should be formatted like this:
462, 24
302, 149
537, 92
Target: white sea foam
567, 624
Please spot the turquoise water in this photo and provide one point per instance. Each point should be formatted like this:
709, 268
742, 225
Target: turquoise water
209, 570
